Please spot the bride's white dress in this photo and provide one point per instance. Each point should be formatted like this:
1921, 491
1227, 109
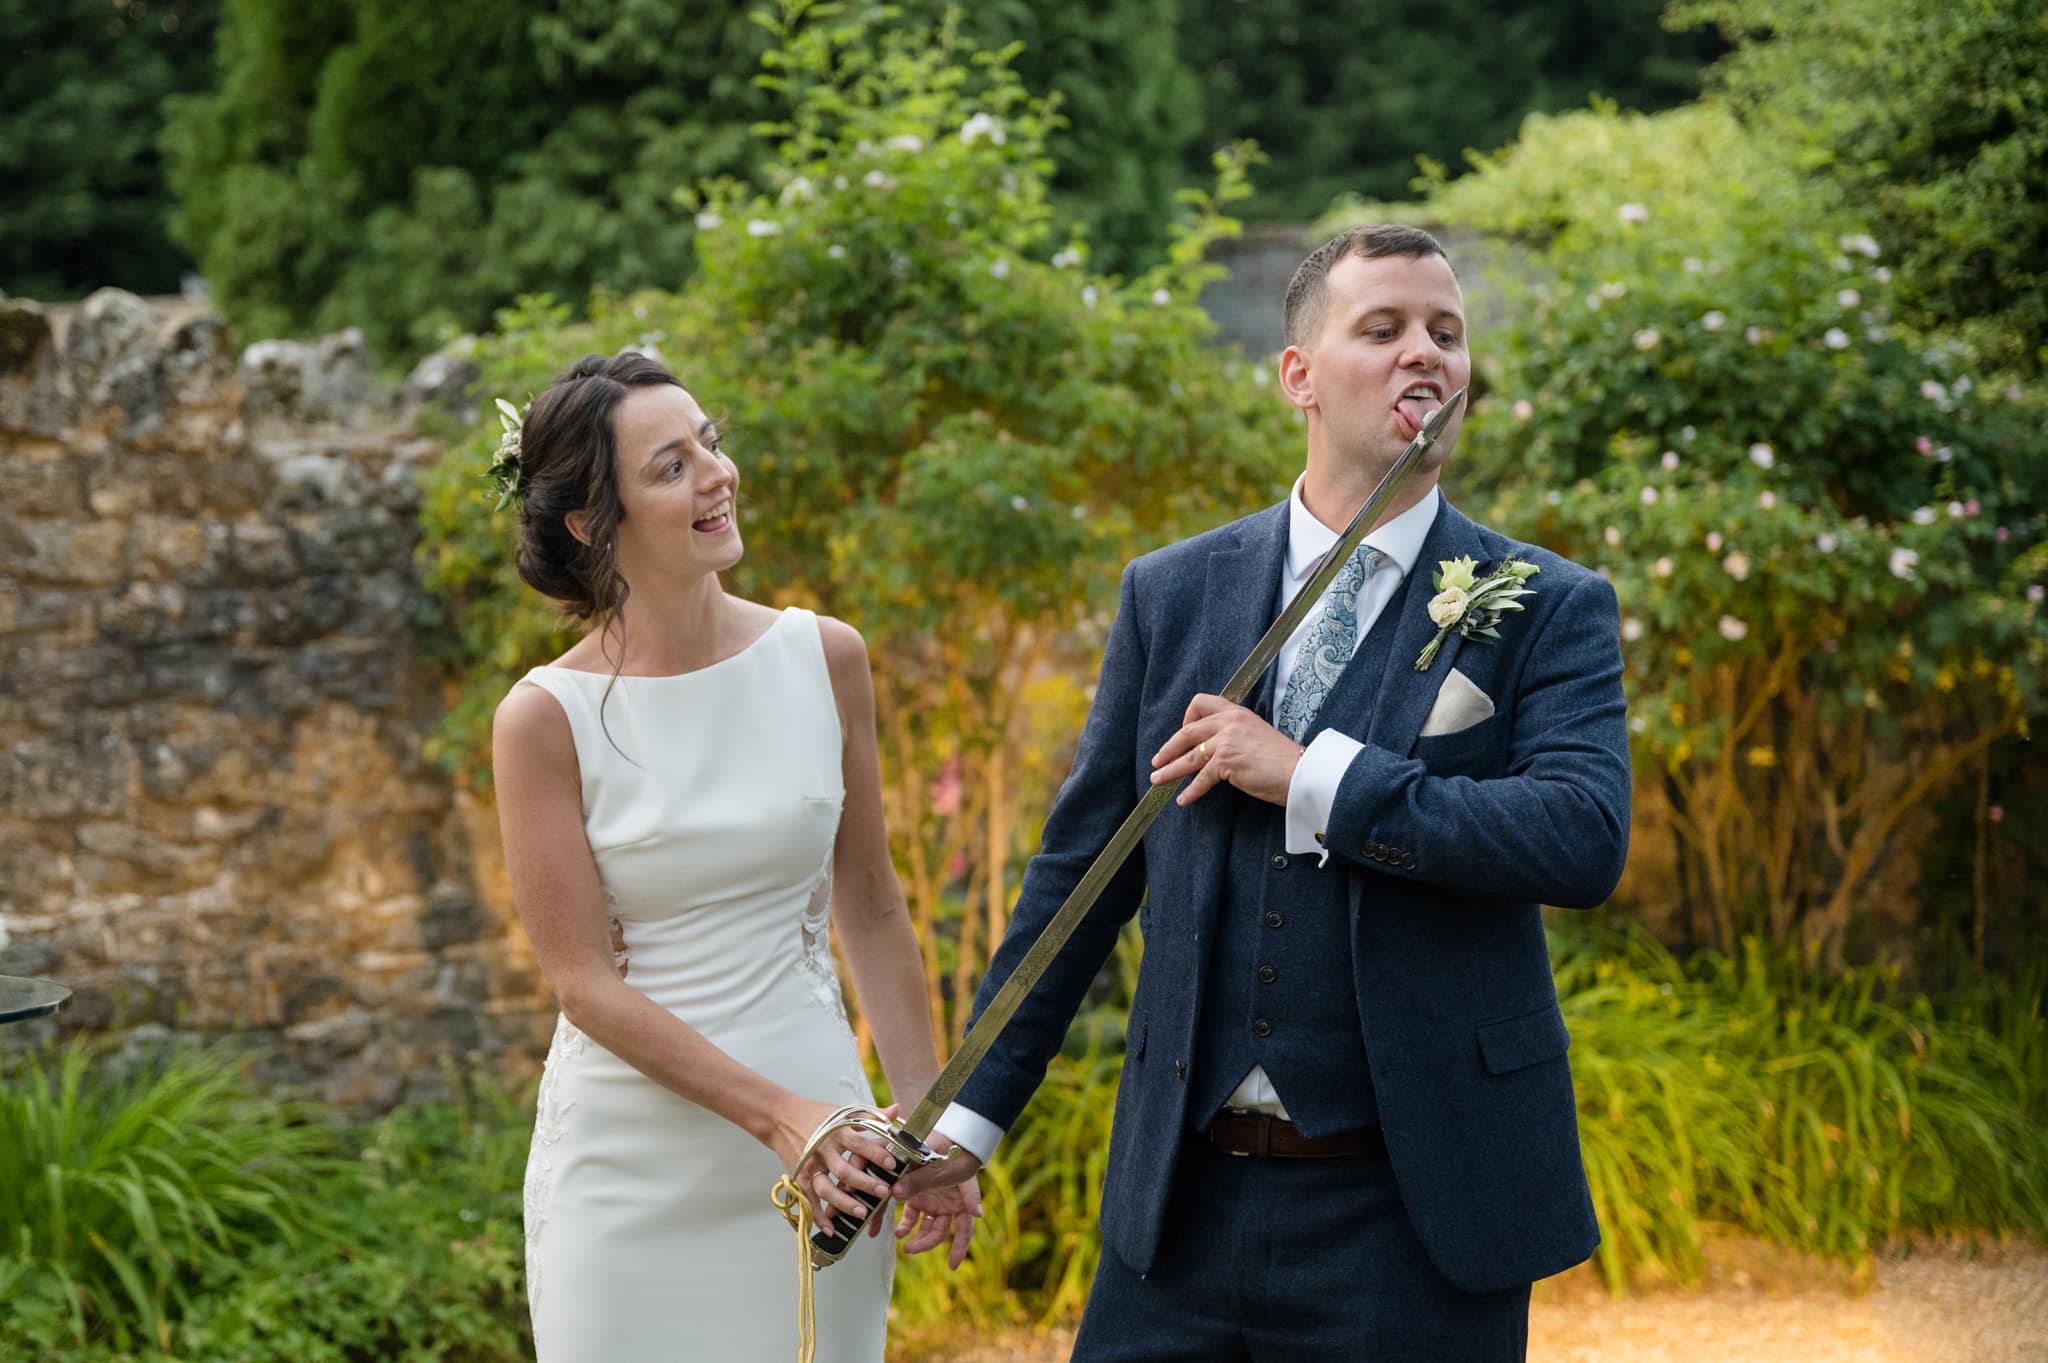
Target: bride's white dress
649, 1235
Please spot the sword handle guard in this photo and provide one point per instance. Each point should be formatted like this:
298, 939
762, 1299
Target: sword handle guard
830, 1242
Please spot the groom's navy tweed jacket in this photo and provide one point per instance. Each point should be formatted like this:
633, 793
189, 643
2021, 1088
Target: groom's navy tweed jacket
1447, 845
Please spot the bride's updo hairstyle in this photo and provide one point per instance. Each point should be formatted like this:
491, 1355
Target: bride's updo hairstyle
568, 462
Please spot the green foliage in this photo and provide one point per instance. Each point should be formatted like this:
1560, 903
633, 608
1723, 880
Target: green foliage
82, 198
1840, 1116
1036, 1248
409, 170
1836, 1116
1817, 512
124, 1183
1933, 116
412, 171
1345, 98
1129, 110
398, 1240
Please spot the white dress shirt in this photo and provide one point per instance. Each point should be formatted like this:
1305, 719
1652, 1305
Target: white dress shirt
1313, 791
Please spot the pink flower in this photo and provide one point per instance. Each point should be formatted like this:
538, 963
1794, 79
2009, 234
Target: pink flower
1924, 445
946, 791
1995, 813
1524, 409
1970, 508
2002, 534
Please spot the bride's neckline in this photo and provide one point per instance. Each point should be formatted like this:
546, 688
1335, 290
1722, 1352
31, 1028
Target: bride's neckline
730, 658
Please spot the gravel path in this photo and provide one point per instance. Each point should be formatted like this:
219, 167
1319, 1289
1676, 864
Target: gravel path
1937, 1306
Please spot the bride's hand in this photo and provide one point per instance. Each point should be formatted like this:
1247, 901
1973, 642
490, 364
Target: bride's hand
837, 1167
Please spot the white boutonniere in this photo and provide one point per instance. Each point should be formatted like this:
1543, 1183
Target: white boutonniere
1473, 606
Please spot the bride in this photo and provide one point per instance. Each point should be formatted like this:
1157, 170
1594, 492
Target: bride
690, 797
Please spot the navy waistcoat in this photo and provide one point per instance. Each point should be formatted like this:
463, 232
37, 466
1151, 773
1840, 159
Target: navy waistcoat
1279, 990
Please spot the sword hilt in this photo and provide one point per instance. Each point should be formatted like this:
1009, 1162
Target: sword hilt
831, 1240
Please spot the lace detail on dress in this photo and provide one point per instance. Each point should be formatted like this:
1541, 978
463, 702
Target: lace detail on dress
549, 1116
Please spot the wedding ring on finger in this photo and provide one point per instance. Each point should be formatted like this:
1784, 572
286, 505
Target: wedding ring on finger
1203, 749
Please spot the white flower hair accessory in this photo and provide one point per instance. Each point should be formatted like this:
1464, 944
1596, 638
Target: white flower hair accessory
506, 473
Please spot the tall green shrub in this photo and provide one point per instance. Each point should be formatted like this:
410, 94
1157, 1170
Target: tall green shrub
1346, 97
124, 1183
1933, 116
82, 193
1823, 518
411, 170
943, 436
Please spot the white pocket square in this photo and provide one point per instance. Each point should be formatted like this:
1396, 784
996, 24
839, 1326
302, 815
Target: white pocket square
1459, 705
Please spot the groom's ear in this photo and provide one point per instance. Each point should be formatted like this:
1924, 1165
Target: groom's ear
1295, 379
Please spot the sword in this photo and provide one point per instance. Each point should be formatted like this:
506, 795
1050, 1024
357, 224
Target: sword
906, 1139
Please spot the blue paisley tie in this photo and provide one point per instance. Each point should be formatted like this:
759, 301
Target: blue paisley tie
1328, 646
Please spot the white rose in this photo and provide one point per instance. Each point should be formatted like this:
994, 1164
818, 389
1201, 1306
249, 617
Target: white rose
1447, 607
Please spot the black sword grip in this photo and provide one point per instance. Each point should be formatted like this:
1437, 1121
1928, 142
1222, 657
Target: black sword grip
828, 1240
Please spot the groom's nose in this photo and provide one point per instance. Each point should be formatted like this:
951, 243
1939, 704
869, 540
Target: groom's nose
1419, 350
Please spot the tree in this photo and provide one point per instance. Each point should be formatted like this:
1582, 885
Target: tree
945, 438
1824, 521
411, 170
82, 199
1344, 98
1934, 113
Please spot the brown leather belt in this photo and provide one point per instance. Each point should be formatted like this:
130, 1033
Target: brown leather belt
1260, 1133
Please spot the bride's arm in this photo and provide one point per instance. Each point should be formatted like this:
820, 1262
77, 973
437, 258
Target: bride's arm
867, 900
561, 903
879, 943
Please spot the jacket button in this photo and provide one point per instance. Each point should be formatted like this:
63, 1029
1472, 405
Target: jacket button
1262, 1028
1180, 1069
1408, 860
1274, 920
1279, 861
1267, 974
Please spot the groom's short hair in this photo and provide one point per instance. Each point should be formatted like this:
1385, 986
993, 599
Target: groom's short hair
1308, 293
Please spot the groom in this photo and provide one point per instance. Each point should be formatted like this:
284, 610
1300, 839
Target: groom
1345, 1128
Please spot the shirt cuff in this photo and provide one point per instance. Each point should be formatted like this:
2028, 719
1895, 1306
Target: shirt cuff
969, 1130
1312, 794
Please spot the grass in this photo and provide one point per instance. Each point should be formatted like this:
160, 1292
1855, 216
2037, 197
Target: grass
170, 1210
1835, 1116
123, 1183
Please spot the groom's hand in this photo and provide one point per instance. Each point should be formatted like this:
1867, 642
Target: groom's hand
1219, 741
958, 1167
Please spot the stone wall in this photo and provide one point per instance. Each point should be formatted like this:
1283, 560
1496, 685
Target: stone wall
214, 818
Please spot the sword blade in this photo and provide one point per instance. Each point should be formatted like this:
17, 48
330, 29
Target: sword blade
1003, 1006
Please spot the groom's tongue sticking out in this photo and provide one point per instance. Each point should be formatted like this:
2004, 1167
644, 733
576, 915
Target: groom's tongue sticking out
1418, 402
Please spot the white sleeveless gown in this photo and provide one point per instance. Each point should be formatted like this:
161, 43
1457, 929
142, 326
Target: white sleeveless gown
649, 1235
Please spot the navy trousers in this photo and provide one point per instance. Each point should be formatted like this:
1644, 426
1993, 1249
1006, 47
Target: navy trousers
1292, 1261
